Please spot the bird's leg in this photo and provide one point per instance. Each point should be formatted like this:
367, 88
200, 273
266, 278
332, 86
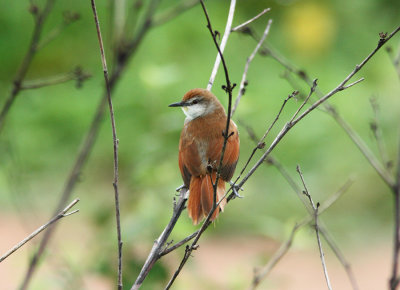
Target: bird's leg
235, 189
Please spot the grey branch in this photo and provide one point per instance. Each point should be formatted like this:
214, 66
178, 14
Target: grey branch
77, 74
316, 208
223, 44
115, 143
290, 125
154, 254
244, 24
63, 213
261, 274
243, 82
273, 161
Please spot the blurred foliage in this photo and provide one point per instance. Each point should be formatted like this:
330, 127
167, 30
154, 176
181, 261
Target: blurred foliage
45, 127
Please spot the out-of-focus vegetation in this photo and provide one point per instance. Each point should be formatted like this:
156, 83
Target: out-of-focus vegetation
44, 129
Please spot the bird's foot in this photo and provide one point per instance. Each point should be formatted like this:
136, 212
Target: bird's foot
235, 189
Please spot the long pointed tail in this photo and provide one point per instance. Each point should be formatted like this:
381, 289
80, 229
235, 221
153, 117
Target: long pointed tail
201, 197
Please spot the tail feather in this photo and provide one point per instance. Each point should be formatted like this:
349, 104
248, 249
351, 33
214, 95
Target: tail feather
194, 204
201, 197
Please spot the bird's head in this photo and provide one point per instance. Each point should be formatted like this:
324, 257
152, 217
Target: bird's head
198, 103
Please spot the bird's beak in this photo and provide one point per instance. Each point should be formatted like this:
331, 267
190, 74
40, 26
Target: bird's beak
178, 104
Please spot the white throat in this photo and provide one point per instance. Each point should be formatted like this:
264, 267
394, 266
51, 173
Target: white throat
197, 110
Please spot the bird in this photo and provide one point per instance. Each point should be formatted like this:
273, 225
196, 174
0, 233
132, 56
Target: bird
200, 147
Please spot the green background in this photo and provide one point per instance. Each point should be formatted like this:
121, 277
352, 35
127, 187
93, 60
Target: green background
45, 128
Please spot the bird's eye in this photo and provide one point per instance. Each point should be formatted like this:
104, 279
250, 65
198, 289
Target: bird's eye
195, 102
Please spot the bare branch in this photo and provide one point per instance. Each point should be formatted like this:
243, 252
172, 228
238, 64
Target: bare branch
325, 205
244, 24
223, 43
315, 208
243, 82
178, 244
290, 125
115, 143
160, 242
394, 279
261, 143
284, 248
377, 132
273, 261
69, 18
59, 216
77, 74
312, 90
338, 253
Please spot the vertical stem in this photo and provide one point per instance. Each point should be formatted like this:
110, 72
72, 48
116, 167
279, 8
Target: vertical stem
115, 144
224, 40
394, 280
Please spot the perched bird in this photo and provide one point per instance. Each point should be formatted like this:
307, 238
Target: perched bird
200, 149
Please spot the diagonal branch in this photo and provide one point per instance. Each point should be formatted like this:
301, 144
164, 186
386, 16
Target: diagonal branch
339, 88
62, 214
77, 74
242, 26
243, 82
162, 239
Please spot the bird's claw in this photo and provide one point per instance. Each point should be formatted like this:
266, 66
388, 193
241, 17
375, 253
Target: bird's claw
235, 189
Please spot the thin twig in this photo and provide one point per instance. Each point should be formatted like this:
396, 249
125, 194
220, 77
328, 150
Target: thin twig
284, 248
338, 253
223, 42
115, 143
316, 208
312, 90
76, 74
59, 216
244, 24
394, 279
273, 261
377, 132
178, 244
69, 18
243, 82
261, 143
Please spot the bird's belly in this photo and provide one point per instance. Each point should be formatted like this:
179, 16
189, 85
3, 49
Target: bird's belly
202, 149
